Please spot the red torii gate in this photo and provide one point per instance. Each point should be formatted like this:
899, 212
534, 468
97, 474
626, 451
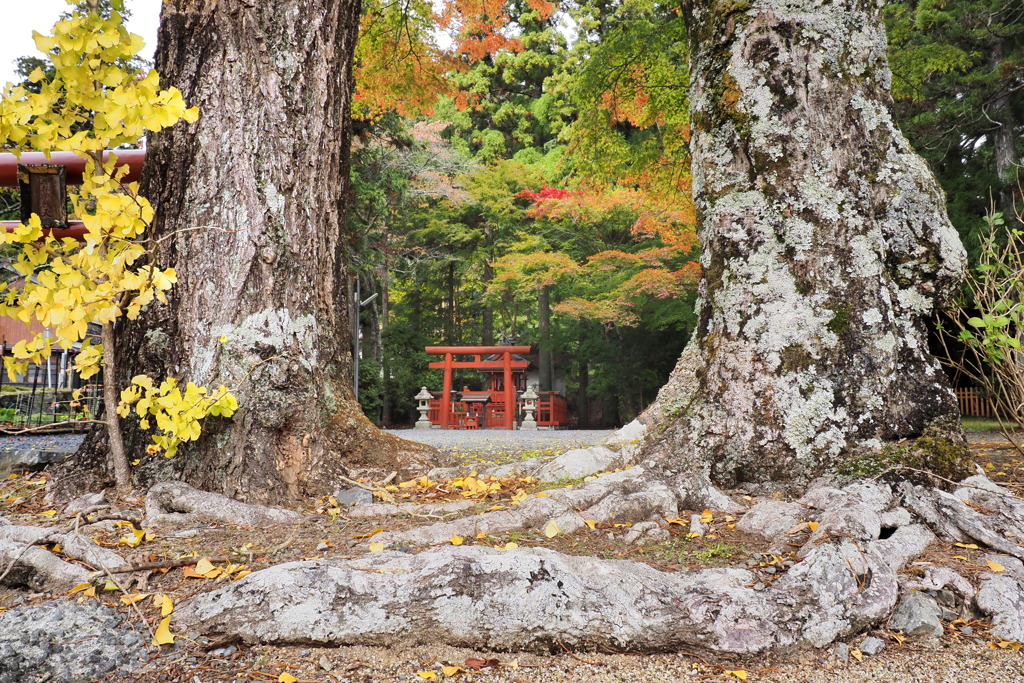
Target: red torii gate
505, 363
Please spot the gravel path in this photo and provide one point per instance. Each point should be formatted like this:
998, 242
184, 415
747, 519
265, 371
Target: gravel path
500, 445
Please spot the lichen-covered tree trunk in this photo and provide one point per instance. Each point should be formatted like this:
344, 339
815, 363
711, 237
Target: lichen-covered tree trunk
826, 246
249, 204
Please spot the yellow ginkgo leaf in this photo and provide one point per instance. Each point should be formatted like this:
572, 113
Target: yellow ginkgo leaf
995, 566
451, 670
163, 635
968, 546
166, 606
426, 674
204, 567
551, 530
706, 517
813, 526
511, 546
857, 654
286, 678
133, 598
456, 540
376, 547
590, 523
48, 513
738, 673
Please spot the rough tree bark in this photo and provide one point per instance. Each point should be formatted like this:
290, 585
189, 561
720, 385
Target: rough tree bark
826, 246
249, 204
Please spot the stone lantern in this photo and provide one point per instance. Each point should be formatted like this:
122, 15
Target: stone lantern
529, 407
423, 405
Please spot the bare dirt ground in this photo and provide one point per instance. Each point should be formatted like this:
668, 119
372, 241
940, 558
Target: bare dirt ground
965, 653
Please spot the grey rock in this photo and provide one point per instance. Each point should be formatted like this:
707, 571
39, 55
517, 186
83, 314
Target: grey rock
772, 518
355, 495
66, 642
1002, 598
917, 615
841, 651
871, 645
322, 546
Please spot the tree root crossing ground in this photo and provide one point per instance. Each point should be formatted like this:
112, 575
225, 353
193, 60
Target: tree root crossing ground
582, 550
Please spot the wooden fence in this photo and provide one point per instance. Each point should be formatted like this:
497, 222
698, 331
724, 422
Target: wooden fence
973, 405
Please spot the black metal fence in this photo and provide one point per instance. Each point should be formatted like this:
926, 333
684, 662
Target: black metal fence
42, 407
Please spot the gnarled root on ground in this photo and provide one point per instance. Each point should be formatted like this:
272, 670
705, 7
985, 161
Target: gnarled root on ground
178, 504
24, 563
844, 582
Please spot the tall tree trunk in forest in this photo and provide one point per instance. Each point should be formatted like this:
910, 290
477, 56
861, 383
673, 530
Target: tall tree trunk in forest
1004, 139
249, 211
545, 359
487, 333
826, 246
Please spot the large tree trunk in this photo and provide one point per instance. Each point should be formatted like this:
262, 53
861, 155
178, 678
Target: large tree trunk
545, 357
249, 204
826, 246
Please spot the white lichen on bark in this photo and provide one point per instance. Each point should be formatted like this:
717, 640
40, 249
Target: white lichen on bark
825, 246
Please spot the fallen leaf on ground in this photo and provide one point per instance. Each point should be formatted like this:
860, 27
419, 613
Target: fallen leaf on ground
163, 635
551, 530
133, 598
376, 547
857, 655
451, 670
166, 606
738, 673
456, 540
969, 546
813, 526
706, 517
286, 678
995, 566
426, 674
477, 664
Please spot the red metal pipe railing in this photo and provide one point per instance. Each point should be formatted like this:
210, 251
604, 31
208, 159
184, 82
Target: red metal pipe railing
74, 164
75, 229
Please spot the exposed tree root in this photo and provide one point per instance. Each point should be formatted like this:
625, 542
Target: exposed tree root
485, 598
177, 503
846, 580
618, 451
626, 496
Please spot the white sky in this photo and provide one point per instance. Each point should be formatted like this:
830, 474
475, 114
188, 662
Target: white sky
21, 17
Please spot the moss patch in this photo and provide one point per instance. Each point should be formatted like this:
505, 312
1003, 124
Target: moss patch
939, 450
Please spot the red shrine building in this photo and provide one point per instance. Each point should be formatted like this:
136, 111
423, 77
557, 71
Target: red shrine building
505, 402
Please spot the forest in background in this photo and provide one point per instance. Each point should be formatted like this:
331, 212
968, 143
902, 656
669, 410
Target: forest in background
528, 180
